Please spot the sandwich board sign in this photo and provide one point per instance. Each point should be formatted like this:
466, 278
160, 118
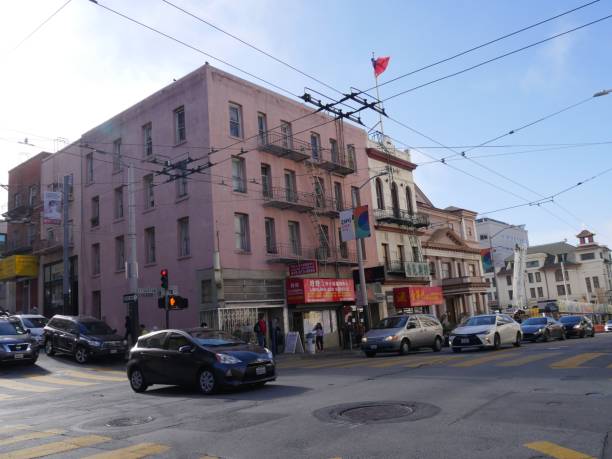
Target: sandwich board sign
293, 343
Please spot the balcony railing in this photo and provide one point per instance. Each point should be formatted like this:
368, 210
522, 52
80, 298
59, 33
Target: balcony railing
333, 160
20, 212
464, 281
401, 217
409, 269
283, 146
285, 198
289, 253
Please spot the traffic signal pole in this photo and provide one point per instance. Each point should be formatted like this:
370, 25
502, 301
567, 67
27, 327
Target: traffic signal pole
132, 265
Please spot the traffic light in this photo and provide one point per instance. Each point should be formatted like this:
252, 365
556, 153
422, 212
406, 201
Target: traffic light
164, 279
177, 302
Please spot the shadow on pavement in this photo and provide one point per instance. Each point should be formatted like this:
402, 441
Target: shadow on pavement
103, 363
21, 369
269, 392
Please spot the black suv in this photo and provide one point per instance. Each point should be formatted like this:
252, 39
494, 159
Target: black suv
83, 337
16, 344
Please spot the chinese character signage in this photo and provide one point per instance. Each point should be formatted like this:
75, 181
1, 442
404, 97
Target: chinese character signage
52, 212
409, 297
305, 267
307, 291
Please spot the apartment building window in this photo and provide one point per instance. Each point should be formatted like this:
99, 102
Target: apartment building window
295, 242
561, 257
235, 120
380, 197
270, 235
416, 253
530, 277
532, 264
588, 285
95, 211
150, 245
410, 208
31, 235
16, 200
324, 241
459, 269
343, 245
532, 291
290, 186
446, 270
338, 196
386, 256
239, 175
119, 253
95, 259
401, 254
355, 197
596, 282
559, 275
149, 195
335, 155
32, 195
315, 146
508, 280
183, 235
484, 237
319, 192
395, 200
96, 304
180, 135
266, 180
119, 202
538, 277
510, 294
182, 186
89, 168
286, 135
241, 232
432, 269
117, 162
472, 270
587, 256
560, 290
262, 128
350, 151
540, 292
147, 139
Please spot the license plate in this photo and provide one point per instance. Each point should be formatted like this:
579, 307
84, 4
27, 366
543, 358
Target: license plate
18, 356
113, 351
374, 346
260, 371
465, 341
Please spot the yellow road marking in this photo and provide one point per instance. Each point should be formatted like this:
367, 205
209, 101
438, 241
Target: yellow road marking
5, 396
556, 451
387, 362
59, 381
323, 364
132, 452
487, 358
16, 385
577, 360
528, 359
109, 372
30, 436
83, 375
431, 361
56, 447
209, 457
8, 429
355, 363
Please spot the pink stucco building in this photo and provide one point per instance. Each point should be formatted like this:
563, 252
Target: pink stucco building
272, 180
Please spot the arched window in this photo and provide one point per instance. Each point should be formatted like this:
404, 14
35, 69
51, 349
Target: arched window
395, 200
409, 207
380, 199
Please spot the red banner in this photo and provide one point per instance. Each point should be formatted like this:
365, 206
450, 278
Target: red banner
305, 267
409, 297
306, 291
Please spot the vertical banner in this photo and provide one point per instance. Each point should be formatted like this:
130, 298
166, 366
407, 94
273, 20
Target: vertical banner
487, 260
362, 222
52, 211
347, 229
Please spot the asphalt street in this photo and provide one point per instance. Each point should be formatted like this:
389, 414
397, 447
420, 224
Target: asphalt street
537, 401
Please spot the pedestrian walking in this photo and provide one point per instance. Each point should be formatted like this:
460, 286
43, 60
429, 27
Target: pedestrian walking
128, 327
318, 330
276, 335
260, 330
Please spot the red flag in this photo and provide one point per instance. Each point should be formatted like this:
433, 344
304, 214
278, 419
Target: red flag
380, 65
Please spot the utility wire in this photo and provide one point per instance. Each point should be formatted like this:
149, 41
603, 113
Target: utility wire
40, 26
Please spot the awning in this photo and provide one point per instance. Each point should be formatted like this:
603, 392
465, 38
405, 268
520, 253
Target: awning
17, 266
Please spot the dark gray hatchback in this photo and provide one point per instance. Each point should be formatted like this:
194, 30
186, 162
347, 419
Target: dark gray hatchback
16, 344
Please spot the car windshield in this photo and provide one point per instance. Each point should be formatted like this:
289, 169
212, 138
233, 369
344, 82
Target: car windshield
35, 322
391, 322
570, 320
535, 321
95, 327
479, 320
609, 322
11, 328
213, 338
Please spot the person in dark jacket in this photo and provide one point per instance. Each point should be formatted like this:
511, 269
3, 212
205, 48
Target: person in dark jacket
128, 327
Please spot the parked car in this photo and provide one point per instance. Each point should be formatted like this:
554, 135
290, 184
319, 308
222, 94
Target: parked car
484, 331
16, 344
36, 324
209, 359
542, 328
579, 326
83, 337
401, 333
608, 326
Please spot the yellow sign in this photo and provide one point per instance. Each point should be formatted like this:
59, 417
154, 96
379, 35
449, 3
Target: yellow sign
18, 266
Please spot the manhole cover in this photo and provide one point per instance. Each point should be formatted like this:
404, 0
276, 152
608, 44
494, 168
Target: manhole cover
128, 422
377, 412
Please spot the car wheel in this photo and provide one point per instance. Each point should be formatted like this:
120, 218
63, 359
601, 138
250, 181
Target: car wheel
81, 355
546, 337
207, 383
404, 347
456, 349
496, 341
49, 348
517, 343
137, 380
370, 354
582, 334
437, 347
593, 333
563, 336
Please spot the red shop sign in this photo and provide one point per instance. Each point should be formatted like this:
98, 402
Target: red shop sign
409, 297
306, 291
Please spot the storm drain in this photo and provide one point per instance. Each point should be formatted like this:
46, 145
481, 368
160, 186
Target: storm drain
376, 412
129, 422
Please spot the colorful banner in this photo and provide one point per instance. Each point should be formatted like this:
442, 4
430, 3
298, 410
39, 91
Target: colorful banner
52, 211
307, 291
410, 297
347, 229
487, 260
362, 222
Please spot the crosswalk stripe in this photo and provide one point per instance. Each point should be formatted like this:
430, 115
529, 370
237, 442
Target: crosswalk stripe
47, 449
59, 381
487, 358
93, 377
31, 436
107, 372
556, 451
577, 360
8, 429
528, 359
16, 385
434, 360
132, 452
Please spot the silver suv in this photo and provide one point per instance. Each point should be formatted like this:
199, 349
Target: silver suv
402, 333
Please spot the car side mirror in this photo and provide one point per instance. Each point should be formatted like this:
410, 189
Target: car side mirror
28, 331
185, 349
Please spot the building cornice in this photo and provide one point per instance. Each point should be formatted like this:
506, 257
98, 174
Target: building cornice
393, 160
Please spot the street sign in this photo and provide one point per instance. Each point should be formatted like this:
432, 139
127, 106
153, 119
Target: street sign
147, 291
130, 298
305, 267
173, 290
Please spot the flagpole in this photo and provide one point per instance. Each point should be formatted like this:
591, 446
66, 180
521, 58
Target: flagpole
380, 118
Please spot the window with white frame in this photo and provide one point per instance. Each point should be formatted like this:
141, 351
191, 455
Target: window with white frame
150, 245
183, 234
117, 161
180, 134
147, 139
596, 282
295, 242
89, 168
286, 135
32, 195
235, 120
540, 292
270, 235
262, 128
148, 189
241, 232
119, 253
315, 145
119, 202
181, 186
239, 181
538, 276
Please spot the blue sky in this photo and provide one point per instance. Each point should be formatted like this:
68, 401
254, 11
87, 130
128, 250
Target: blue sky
87, 64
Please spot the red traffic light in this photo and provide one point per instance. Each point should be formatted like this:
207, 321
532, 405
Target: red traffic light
164, 273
